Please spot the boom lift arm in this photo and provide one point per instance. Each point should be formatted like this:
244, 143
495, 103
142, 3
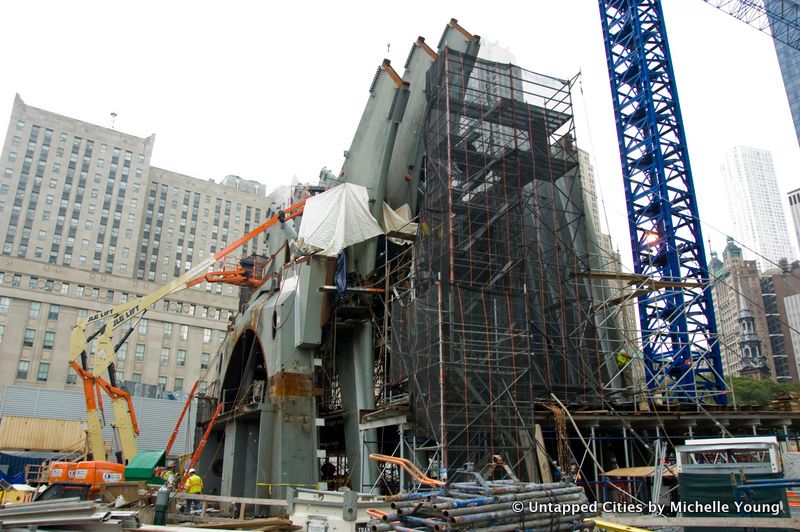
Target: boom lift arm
110, 320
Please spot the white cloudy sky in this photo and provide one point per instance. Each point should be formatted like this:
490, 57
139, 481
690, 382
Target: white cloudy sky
270, 90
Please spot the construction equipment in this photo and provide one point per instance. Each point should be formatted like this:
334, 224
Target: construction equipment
82, 479
780, 19
681, 352
112, 319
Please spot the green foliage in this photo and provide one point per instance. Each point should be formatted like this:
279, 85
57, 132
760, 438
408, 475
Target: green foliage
753, 392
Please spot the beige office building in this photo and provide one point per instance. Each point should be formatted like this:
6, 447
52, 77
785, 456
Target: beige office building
87, 223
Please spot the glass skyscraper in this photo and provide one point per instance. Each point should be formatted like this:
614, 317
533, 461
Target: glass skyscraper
788, 57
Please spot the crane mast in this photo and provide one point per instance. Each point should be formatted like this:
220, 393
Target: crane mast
679, 333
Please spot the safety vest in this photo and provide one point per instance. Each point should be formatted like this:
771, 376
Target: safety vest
622, 359
194, 484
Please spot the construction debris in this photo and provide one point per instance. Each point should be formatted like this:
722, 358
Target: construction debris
70, 512
491, 505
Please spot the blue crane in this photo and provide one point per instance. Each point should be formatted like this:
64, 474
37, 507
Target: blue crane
679, 333
779, 19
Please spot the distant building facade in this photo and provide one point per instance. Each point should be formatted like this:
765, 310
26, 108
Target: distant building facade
87, 223
736, 282
609, 259
755, 206
794, 210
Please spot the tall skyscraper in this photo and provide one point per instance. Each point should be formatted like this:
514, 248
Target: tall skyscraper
755, 206
788, 57
87, 223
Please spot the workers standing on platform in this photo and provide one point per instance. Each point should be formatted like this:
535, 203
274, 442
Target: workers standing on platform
194, 486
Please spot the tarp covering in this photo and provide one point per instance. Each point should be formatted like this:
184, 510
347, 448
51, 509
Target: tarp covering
336, 219
399, 221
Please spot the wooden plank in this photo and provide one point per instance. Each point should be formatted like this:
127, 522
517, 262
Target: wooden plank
248, 523
220, 498
527, 453
541, 455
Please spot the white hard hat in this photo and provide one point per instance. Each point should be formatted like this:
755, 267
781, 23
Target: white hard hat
192, 470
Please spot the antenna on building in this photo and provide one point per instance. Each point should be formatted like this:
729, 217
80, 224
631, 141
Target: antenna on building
113, 118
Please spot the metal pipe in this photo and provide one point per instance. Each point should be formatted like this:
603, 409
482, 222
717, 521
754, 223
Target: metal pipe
412, 496
503, 505
510, 498
489, 516
421, 521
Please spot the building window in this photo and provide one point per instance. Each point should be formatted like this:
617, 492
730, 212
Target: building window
49, 340
181, 361
167, 330
122, 353
204, 360
64, 289
34, 310
162, 380
139, 352
5, 303
178, 387
72, 375
184, 332
54, 311
30, 335
136, 377
2, 332
206, 336
202, 387
12, 156
44, 371
33, 282
22, 369
143, 326
165, 356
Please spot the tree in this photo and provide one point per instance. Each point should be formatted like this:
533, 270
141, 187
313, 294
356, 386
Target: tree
753, 392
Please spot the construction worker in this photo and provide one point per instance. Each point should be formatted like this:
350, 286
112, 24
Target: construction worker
575, 473
625, 368
168, 475
194, 486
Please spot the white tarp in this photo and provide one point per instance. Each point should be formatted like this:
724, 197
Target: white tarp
335, 219
399, 221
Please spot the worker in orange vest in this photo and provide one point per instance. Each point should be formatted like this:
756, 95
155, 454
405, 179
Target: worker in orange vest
193, 486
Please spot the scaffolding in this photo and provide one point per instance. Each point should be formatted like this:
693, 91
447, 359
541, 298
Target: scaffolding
501, 310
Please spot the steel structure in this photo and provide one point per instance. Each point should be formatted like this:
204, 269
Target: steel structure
779, 19
500, 314
682, 355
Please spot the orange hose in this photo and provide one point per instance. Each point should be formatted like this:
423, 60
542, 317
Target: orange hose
410, 468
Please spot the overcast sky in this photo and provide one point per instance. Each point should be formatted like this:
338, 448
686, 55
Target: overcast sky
269, 90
